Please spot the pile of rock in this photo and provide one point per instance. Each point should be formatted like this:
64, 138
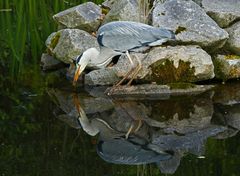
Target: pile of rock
207, 33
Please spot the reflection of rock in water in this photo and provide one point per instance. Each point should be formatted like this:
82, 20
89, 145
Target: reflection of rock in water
141, 132
184, 115
133, 151
227, 115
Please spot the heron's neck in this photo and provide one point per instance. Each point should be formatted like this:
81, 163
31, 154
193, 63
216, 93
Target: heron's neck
104, 57
90, 55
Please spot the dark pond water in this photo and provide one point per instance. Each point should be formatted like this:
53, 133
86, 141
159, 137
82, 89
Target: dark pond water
41, 134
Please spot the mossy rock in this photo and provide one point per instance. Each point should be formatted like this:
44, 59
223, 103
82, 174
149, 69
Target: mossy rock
164, 71
227, 67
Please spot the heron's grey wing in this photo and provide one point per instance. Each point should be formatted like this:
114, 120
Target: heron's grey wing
123, 36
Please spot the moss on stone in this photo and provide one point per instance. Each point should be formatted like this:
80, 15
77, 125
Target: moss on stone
218, 70
180, 29
181, 85
54, 40
164, 71
231, 57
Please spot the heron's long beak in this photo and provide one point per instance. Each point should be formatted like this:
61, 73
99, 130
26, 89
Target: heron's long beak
76, 75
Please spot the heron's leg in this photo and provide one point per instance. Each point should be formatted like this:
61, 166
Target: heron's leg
139, 125
129, 57
128, 73
135, 72
129, 131
124, 78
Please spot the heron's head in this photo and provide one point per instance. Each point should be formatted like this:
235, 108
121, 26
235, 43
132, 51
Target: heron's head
83, 60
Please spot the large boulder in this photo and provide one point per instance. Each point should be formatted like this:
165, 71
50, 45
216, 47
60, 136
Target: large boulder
233, 43
85, 16
124, 10
190, 23
161, 65
67, 44
227, 66
224, 12
178, 64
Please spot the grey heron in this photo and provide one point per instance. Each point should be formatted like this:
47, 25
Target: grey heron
116, 38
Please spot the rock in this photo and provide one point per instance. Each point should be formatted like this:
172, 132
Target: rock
85, 16
124, 10
101, 77
50, 63
67, 44
224, 12
227, 66
108, 4
177, 64
233, 43
160, 65
199, 2
155, 91
191, 24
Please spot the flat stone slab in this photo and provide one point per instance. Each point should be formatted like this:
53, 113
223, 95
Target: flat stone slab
154, 91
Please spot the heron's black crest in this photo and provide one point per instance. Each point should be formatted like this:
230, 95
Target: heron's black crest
100, 39
78, 58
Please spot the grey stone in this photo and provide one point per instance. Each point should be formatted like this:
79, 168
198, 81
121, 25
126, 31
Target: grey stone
177, 64
199, 2
67, 44
224, 12
85, 16
227, 66
233, 43
101, 77
124, 10
50, 63
108, 3
190, 22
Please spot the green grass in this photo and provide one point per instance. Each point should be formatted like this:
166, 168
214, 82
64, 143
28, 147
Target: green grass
24, 27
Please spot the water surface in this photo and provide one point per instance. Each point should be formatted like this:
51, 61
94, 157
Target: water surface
189, 135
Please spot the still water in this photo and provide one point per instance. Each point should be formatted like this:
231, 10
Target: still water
53, 131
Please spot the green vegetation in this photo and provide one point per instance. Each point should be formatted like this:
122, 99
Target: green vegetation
25, 25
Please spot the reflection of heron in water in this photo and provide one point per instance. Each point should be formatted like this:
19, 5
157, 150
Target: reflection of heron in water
116, 147
94, 126
128, 112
